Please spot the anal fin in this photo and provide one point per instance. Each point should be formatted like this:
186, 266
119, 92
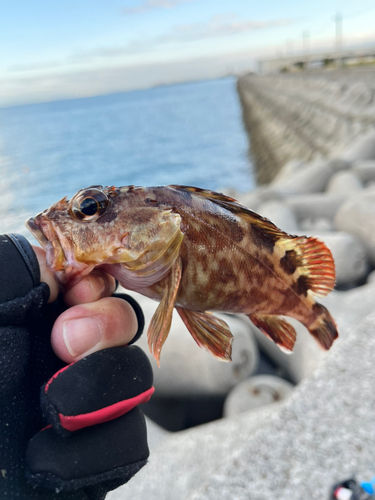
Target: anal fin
161, 320
277, 329
209, 332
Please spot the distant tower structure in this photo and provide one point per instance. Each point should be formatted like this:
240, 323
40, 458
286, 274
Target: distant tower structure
338, 21
306, 47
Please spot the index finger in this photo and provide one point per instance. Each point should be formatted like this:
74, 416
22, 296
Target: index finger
96, 285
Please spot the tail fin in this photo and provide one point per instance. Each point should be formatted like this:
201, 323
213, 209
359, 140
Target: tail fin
314, 262
324, 327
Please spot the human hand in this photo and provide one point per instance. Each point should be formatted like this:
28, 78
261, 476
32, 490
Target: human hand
93, 400
94, 319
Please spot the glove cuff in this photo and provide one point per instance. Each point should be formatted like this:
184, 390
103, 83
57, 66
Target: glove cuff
107, 455
111, 382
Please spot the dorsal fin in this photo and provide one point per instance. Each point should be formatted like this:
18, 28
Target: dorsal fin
236, 208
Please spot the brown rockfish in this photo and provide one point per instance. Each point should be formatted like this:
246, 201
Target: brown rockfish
196, 251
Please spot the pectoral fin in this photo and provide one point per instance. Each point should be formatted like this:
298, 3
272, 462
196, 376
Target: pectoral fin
277, 329
209, 332
161, 320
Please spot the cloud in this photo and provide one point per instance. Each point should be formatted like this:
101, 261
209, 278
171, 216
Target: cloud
217, 27
131, 48
34, 67
153, 4
220, 26
17, 90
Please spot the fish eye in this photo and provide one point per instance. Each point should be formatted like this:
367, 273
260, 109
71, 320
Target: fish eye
89, 205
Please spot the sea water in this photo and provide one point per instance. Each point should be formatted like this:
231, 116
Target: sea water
190, 134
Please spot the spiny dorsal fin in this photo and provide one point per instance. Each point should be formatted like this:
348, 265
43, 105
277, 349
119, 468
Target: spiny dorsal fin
230, 204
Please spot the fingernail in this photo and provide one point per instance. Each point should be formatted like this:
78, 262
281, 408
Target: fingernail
81, 335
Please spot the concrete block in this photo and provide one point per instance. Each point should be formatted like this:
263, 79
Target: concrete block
290, 168
344, 183
315, 206
362, 149
155, 434
255, 392
280, 215
349, 255
365, 170
316, 225
313, 178
357, 217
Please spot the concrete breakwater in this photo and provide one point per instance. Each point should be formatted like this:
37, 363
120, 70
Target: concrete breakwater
304, 115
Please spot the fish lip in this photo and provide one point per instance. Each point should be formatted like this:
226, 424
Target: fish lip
36, 231
42, 229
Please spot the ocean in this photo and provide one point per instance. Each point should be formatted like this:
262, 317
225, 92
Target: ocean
189, 134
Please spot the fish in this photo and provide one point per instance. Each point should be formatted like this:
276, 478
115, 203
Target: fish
196, 251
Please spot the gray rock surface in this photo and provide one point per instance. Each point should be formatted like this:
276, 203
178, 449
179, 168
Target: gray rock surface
185, 459
255, 392
186, 369
306, 447
155, 434
357, 216
294, 451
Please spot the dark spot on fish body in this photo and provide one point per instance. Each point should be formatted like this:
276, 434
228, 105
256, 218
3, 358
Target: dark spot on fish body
152, 202
262, 239
301, 286
289, 262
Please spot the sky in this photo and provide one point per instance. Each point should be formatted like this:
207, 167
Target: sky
67, 49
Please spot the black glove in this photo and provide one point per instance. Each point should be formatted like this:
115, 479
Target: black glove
90, 436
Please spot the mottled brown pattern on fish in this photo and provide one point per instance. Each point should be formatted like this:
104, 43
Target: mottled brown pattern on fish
231, 258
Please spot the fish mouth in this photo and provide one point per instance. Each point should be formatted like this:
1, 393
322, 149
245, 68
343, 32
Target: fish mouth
36, 231
42, 229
